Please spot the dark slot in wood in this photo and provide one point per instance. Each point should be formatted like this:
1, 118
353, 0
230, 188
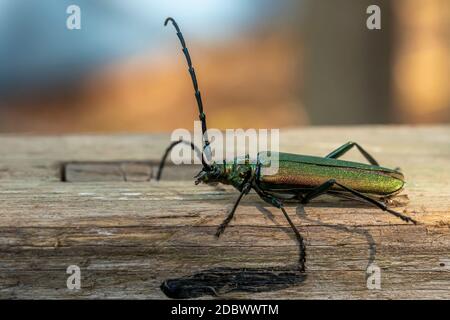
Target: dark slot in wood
132, 171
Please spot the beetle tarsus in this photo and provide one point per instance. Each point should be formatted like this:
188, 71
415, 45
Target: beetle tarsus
402, 216
220, 230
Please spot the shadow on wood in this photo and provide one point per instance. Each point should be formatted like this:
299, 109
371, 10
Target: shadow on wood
219, 281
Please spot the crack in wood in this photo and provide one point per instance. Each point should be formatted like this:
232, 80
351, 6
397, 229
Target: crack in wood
122, 171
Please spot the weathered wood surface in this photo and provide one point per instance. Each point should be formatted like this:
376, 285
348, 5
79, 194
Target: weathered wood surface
128, 235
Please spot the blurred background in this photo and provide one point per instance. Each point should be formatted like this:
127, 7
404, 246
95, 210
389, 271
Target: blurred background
260, 64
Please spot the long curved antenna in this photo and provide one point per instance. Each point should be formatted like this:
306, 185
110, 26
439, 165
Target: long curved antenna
198, 97
170, 147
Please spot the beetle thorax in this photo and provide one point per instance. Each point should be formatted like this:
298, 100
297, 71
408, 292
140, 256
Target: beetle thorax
233, 173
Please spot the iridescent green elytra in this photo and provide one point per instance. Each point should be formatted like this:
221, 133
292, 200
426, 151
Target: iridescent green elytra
298, 174
299, 178
299, 171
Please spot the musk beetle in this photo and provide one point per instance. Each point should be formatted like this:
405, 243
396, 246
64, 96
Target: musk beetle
300, 177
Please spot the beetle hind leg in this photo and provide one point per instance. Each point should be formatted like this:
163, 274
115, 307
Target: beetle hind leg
326, 186
339, 152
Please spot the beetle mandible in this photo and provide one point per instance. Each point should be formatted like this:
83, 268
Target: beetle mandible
299, 178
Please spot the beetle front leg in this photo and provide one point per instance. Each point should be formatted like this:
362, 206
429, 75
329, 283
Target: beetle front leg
346, 147
227, 220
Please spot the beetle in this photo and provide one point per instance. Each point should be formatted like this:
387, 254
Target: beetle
299, 178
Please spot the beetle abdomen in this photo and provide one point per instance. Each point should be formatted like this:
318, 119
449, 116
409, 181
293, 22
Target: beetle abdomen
305, 172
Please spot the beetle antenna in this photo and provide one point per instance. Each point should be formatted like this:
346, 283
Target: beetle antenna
170, 147
198, 97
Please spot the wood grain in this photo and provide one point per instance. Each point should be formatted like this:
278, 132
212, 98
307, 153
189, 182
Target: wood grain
129, 233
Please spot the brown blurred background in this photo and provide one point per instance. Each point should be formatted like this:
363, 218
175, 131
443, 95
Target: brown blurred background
260, 64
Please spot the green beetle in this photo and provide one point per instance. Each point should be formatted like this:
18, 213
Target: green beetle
299, 177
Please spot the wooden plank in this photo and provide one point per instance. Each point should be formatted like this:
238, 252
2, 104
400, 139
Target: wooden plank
131, 235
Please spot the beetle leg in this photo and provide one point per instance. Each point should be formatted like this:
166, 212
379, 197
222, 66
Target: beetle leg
346, 147
314, 193
326, 186
277, 203
227, 220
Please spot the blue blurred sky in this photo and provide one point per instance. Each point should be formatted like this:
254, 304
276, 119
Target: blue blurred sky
36, 46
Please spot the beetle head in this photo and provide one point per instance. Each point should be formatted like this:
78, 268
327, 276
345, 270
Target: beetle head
210, 175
